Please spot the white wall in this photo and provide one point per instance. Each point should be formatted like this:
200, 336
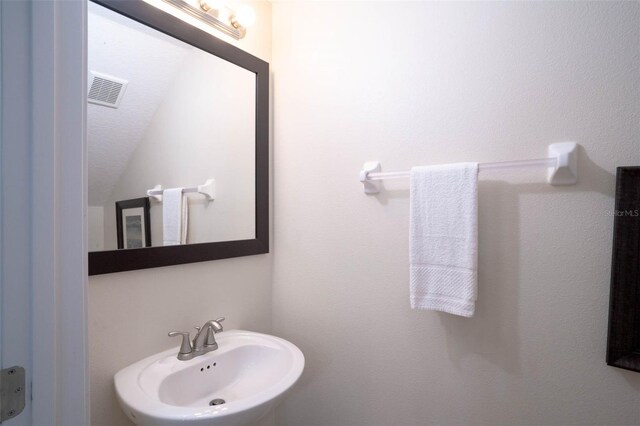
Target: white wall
95, 224
425, 83
131, 312
204, 128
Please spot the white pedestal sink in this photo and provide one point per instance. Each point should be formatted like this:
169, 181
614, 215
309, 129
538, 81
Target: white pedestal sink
250, 372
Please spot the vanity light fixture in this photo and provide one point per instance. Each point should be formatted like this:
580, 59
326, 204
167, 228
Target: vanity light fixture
217, 14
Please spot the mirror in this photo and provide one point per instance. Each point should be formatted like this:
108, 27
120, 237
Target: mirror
175, 111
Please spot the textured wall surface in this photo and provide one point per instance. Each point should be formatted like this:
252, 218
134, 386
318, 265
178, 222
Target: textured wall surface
426, 83
130, 313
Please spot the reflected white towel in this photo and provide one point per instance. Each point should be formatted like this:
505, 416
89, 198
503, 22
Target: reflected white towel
175, 217
444, 238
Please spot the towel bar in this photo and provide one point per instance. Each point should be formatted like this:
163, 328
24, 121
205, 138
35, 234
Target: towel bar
208, 190
562, 164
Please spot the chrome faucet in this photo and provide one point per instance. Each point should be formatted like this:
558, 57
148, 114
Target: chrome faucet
205, 340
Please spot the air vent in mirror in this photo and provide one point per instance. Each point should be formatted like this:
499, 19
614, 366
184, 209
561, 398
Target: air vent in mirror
106, 90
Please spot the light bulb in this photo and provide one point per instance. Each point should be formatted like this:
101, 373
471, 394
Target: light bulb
245, 15
224, 14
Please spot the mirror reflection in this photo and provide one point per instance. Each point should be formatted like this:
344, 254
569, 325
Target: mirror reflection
165, 115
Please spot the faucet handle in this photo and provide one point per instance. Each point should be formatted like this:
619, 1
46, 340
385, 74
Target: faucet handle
215, 328
185, 347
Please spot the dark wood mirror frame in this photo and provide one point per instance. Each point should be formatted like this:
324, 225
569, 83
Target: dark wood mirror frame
623, 343
104, 262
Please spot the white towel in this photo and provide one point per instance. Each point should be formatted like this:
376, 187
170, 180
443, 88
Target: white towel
175, 217
444, 238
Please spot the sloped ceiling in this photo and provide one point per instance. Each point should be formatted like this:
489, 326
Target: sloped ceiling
149, 61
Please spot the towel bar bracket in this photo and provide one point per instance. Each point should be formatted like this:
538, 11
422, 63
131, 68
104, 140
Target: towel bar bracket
208, 189
565, 171
155, 193
370, 186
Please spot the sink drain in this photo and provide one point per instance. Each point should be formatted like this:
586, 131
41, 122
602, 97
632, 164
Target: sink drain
217, 401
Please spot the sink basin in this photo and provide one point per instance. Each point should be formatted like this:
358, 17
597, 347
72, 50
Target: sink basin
246, 376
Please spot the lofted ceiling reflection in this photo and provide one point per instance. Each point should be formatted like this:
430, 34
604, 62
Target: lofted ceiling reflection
150, 62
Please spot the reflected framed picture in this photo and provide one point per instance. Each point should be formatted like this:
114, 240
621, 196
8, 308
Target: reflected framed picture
133, 224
